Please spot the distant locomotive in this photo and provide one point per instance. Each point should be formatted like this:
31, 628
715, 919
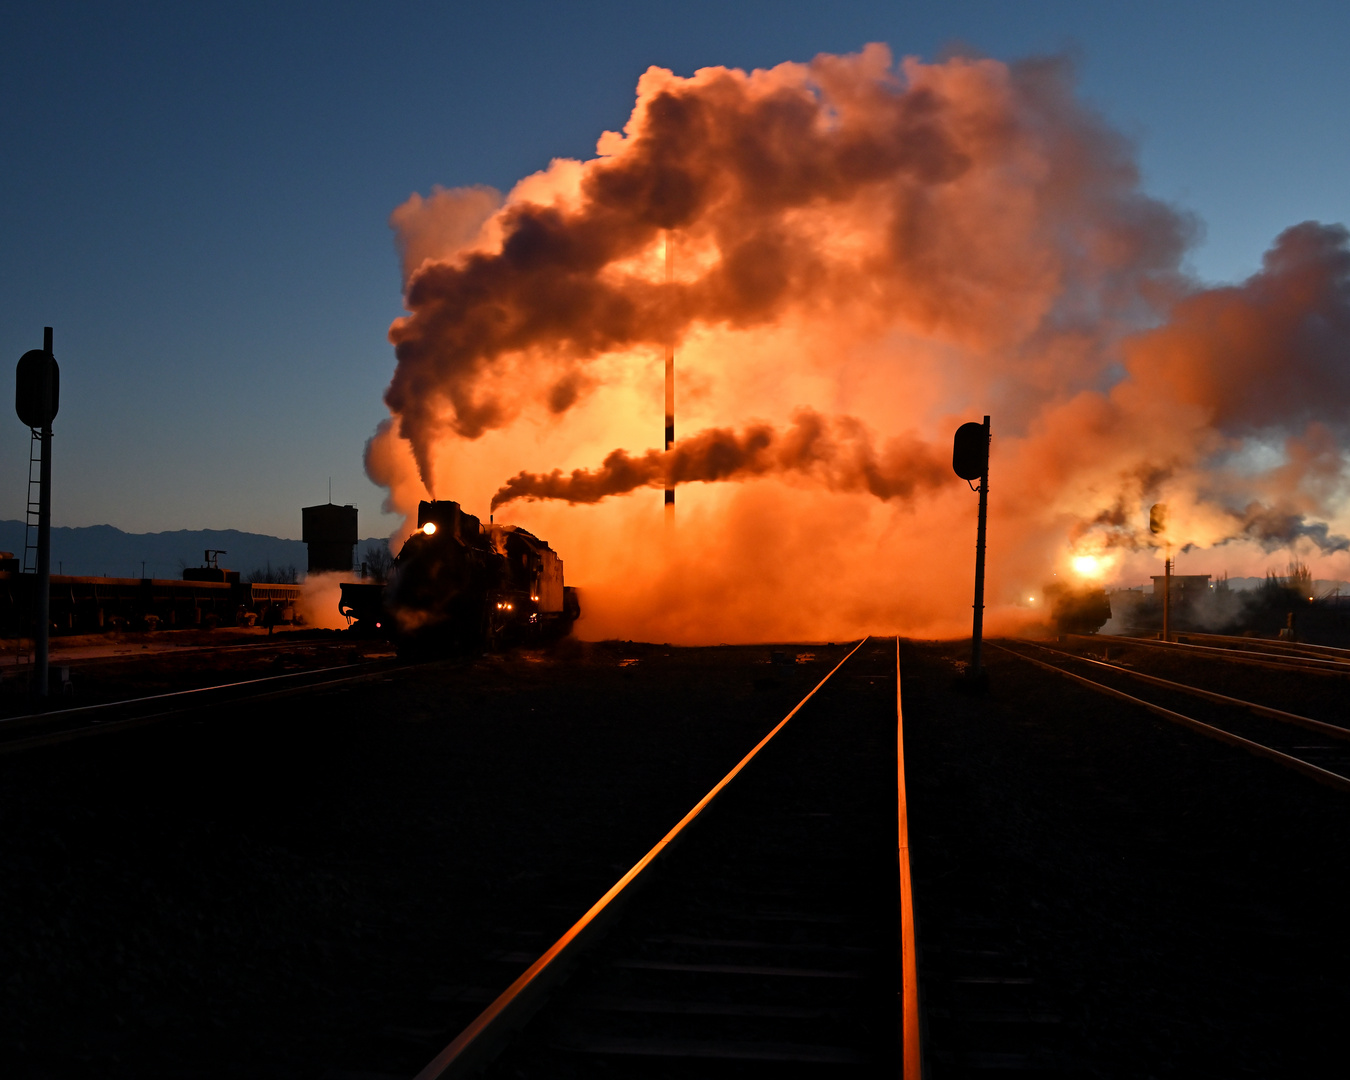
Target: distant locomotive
458, 584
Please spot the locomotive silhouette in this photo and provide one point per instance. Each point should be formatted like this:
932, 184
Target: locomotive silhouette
460, 585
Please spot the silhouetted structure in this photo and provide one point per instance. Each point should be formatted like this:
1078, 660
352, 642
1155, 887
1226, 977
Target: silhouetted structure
330, 532
1188, 590
85, 605
36, 399
210, 569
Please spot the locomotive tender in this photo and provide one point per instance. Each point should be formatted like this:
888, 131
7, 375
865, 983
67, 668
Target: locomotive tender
458, 584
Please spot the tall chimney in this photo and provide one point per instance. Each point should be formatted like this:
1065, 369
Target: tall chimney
670, 376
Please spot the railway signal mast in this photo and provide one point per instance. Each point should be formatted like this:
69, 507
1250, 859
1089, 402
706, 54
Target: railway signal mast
37, 394
970, 460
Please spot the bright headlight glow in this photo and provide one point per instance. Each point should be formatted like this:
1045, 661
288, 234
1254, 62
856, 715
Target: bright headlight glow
429, 528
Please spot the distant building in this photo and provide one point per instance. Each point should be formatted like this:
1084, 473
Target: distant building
330, 532
1186, 589
1193, 601
1196, 603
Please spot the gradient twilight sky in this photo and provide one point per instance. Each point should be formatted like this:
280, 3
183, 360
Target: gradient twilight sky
197, 197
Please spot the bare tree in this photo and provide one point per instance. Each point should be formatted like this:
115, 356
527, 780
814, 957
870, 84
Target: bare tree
1300, 580
281, 575
377, 561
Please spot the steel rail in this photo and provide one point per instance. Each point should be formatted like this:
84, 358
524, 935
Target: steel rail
1323, 776
96, 727
1276, 645
912, 1068
1238, 656
10, 662
1270, 658
1319, 726
476, 1046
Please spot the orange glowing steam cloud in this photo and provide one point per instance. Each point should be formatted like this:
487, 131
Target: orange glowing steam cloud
864, 255
837, 454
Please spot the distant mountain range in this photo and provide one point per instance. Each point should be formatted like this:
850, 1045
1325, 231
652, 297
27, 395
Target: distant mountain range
105, 551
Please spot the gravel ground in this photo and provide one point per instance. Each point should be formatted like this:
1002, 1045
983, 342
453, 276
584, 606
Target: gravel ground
312, 886
1178, 903
292, 888
1321, 695
116, 667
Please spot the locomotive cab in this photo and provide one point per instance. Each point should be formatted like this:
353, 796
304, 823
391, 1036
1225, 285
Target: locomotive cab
529, 601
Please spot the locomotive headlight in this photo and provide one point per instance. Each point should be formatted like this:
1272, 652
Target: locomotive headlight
429, 528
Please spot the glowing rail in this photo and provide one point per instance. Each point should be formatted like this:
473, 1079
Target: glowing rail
478, 1043
912, 1068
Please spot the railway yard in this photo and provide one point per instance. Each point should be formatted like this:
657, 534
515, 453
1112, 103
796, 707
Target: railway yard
302, 857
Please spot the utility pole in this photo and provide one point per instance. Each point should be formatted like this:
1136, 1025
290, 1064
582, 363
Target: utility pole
977, 632
1167, 595
970, 461
1157, 525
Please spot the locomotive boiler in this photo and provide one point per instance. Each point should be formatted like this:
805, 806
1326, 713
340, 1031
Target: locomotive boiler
459, 585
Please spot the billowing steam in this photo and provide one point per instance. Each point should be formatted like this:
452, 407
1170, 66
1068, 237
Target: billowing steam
864, 256
837, 454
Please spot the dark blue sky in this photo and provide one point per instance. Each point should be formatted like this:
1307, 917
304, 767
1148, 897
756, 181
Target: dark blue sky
197, 196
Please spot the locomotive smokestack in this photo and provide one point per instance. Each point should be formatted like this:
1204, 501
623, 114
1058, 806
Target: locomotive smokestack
670, 380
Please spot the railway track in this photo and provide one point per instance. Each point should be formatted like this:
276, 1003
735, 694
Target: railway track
1279, 646
31, 730
767, 935
1254, 652
1316, 748
9, 661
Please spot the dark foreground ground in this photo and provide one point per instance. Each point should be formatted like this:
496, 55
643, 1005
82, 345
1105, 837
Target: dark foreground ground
288, 888
119, 666
305, 887
1179, 905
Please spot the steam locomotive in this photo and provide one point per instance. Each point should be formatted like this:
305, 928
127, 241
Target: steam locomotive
460, 585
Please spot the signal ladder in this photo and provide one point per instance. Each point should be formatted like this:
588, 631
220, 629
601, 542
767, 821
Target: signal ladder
27, 643
30, 544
